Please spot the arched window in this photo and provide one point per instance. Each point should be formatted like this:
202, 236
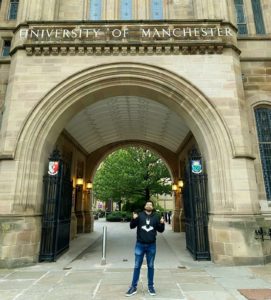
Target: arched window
263, 122
240, 16
157, 9
126, 12
95, 9
258, 16
13, 9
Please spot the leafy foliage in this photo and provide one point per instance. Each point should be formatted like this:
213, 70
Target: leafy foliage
131, 174
117, 216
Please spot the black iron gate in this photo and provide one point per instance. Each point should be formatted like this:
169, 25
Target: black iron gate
195, 208
57, 205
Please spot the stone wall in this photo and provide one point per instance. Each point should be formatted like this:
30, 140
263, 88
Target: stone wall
257, 85
19, 240
220, 116
4, 74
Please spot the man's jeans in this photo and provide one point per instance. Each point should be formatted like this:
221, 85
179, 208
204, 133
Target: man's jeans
140, 251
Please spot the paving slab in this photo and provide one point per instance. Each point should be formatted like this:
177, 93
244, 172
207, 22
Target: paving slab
78, 274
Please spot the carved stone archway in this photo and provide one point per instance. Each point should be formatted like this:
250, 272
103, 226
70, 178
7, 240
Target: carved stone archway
48, 119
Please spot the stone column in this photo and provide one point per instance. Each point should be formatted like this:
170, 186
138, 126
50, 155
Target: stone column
4, 10
177, 210
49, 10
266, 7
142, 8
88, 212
109, 10
91, 211
201, 9
78, 209
221, 10
204, 9
34, 11
209, 6
23, 11
182, 216
73, 227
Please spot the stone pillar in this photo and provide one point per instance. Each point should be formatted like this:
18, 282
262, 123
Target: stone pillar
4, 10
73, 227
87, 212
182, 216
142, 9
78, 209
34, 11
49, 10
176, 216
209, 6
19, 240
232, 240
221, 10
205, 9
201, 9
110, 10
91, 211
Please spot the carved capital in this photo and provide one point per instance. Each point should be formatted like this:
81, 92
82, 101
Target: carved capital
63, 51
29, 51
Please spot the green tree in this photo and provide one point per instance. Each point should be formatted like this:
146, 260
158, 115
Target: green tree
131, 174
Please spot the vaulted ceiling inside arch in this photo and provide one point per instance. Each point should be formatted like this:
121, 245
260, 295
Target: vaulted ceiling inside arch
127, 118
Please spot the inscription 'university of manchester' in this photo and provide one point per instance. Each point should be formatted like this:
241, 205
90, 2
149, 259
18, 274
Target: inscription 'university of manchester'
98, 33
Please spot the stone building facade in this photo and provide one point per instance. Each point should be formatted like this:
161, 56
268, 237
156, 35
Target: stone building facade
89, 77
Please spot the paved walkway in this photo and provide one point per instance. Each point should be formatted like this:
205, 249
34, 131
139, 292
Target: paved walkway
78, 274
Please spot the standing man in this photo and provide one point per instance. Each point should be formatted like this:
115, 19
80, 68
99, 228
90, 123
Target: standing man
147, 223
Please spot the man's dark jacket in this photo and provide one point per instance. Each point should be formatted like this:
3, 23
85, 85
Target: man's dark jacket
147, 227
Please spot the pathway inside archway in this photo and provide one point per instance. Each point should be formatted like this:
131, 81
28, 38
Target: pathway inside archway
171, 252
87, 254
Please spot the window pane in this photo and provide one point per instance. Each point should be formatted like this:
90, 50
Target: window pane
240, 17
242, 28
258, 16
13, 9
6, 48
95, 9
126, 10
157, 9
240, 14
263, 122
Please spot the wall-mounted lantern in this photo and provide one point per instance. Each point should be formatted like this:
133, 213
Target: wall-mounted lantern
79, 181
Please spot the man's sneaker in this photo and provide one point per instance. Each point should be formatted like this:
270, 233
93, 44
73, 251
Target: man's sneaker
132, 290
152, 291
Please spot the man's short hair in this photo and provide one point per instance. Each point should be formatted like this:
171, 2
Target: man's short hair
150, 202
